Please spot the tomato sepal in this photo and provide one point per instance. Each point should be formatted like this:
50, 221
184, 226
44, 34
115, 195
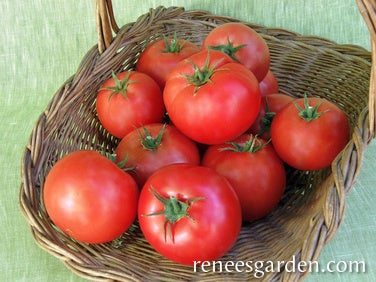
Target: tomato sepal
173, 45
252, 145
228, 49
309, 113
202, 75
120, 164
121, 85
149, 142
174, 210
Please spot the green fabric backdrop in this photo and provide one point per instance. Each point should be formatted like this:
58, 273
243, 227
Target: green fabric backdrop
42, 43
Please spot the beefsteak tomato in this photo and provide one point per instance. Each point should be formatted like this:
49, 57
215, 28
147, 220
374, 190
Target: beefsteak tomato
254, 170
89, 198
210, 98
309, 133
243, 44
189, 214
128, 100
160, 57
153, 146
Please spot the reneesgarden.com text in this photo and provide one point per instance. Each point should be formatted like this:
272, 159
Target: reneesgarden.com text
260, 268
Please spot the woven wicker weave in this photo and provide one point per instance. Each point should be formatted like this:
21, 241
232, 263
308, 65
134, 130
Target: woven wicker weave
313, 206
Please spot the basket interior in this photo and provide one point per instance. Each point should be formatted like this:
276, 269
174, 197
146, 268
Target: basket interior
302, 223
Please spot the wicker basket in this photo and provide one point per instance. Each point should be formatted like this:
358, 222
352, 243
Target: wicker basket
313, 206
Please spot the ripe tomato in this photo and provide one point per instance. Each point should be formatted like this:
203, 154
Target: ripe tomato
254, 170
129, 100
309, 133
243, 44
89, 198
154, 146
210, 98
270, 105
189, 213
269, 85
161, 56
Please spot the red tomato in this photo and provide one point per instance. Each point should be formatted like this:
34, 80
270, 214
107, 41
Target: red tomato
254, 170
210, 98
161, 56
269, 85
129, 100
89, 198
154, 146
270, 105
243, 44
309, 133
189, 213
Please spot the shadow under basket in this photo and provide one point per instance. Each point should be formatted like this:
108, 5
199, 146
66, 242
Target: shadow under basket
312, 208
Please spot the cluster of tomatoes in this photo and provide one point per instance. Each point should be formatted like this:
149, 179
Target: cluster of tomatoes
219, 160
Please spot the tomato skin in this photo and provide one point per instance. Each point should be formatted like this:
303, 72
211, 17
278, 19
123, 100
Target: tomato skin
217, 111
89, 198
258, 178
174, 148
276, 102
269, 84
143, 104
310, 145
158, 63
215, 219
255, 55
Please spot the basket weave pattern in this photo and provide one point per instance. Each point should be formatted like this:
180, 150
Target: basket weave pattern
313, 206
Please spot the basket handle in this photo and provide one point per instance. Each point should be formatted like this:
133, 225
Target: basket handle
106, 26
106, 23
367, 9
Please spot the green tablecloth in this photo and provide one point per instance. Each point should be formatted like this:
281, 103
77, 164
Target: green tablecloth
42, 43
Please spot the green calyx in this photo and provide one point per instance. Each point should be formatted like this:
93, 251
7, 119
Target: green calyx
120, 85
174, 210
309, 113
121, 164
266, 121
149, 142
252, 145
203, 75
173, 46
228, 49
